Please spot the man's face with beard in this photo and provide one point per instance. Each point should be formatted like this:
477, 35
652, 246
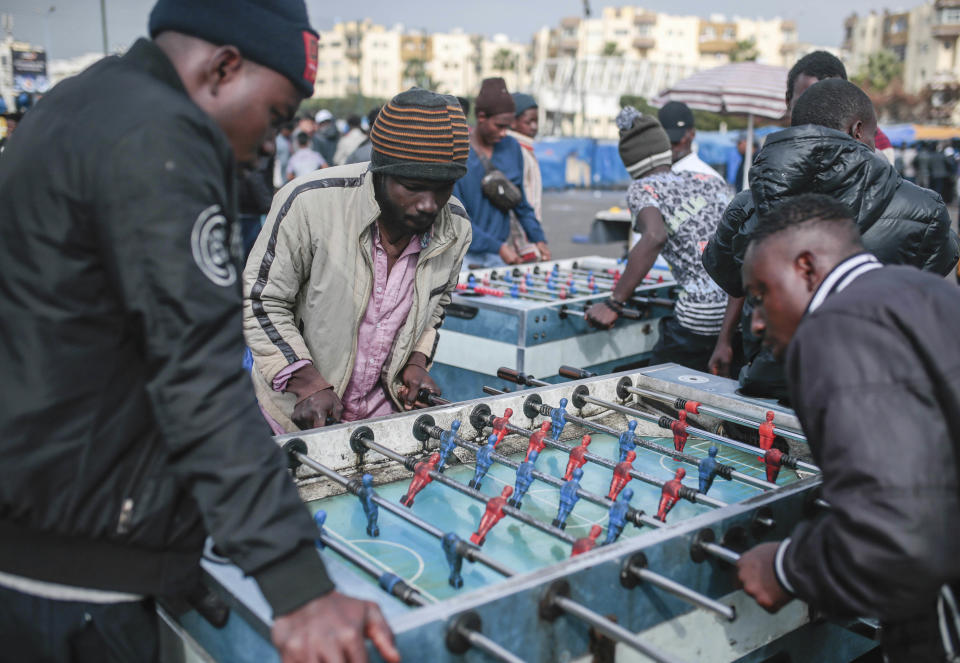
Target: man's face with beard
410, 206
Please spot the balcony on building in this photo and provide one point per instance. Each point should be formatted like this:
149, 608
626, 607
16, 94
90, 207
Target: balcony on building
947, 25
570, 23
717, 47
644, 43
569, 44
849, 25
646, 18
788, 48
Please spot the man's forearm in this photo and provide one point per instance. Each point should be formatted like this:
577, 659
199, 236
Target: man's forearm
641, 260
731, 320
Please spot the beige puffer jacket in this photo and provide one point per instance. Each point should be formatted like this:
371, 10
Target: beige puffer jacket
308, 280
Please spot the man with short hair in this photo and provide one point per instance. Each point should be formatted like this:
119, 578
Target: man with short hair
492, 151
349, 141
304, 161
524, 130
677, 120
347, 285
129, 431
829, 149
327, 136
675, 214
871, 355
364, 151
284, 150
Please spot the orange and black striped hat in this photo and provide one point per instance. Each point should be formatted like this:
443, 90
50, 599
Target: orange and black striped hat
421, 135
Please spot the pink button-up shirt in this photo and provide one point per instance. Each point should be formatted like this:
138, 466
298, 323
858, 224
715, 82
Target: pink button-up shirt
390, 301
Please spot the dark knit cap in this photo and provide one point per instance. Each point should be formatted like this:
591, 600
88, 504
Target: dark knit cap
494, 97
273, 33
523, 102
644, 144
421, 135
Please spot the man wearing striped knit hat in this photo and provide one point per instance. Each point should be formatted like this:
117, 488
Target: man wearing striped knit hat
346, 286
675, 214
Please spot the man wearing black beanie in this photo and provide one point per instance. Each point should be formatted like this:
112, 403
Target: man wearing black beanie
129, 430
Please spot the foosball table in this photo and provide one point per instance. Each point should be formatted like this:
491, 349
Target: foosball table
574, 521
531, 317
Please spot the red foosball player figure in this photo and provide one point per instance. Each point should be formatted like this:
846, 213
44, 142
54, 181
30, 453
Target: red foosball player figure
679, 428
492, 515
578, 457
669, 494
766, 433
421, 477
772, 460
536, 440
621, 475
500, 426
588, 542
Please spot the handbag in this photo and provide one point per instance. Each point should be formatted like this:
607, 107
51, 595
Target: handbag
498, 189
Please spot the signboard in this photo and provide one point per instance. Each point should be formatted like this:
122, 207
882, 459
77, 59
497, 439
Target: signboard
29, 71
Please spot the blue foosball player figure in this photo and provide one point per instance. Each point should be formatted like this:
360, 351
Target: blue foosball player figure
484, 461
558, 419
708, 470
448, 442
320, 517
618, 515
627, 440
370, 508
568, 499
524, 479
451, 549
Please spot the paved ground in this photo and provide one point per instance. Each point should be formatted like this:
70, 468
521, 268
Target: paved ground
570, 213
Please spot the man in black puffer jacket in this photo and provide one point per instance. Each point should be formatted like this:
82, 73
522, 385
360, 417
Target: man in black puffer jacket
829, 149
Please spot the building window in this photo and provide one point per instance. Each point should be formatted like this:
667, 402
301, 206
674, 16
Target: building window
950, 16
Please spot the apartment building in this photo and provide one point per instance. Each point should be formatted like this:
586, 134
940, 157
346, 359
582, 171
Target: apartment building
361, 57
924, 39
637, 33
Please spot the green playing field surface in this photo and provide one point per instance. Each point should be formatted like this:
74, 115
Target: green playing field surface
418, 557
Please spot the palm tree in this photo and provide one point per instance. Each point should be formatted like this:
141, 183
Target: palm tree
610, 50
744, 50
415, 73
504, 60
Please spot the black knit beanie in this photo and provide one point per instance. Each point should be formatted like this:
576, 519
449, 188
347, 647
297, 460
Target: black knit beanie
644, 144
421, 135
273, 33
494, 97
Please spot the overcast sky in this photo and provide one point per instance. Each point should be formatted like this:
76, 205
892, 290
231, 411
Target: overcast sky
74, 25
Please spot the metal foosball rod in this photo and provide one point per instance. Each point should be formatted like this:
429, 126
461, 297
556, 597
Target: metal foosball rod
390, 582
704, 544
581, 396
565, 311
297, 448
424, 428
482, 415
557, 601
522, 288
533, 406
626, 386
495, 292
634, 570
362, 439
464, 632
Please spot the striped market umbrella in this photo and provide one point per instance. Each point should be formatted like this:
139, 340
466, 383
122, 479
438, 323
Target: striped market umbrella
741, 87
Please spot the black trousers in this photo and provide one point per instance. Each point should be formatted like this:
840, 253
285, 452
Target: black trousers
39, 630
679, 345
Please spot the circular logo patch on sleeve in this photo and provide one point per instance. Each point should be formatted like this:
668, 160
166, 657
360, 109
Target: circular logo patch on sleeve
211, 250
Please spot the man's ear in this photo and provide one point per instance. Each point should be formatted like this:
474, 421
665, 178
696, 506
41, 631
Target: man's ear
805, 266
222, 67
856, 130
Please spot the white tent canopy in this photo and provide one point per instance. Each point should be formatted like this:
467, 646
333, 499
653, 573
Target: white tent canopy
742, 87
